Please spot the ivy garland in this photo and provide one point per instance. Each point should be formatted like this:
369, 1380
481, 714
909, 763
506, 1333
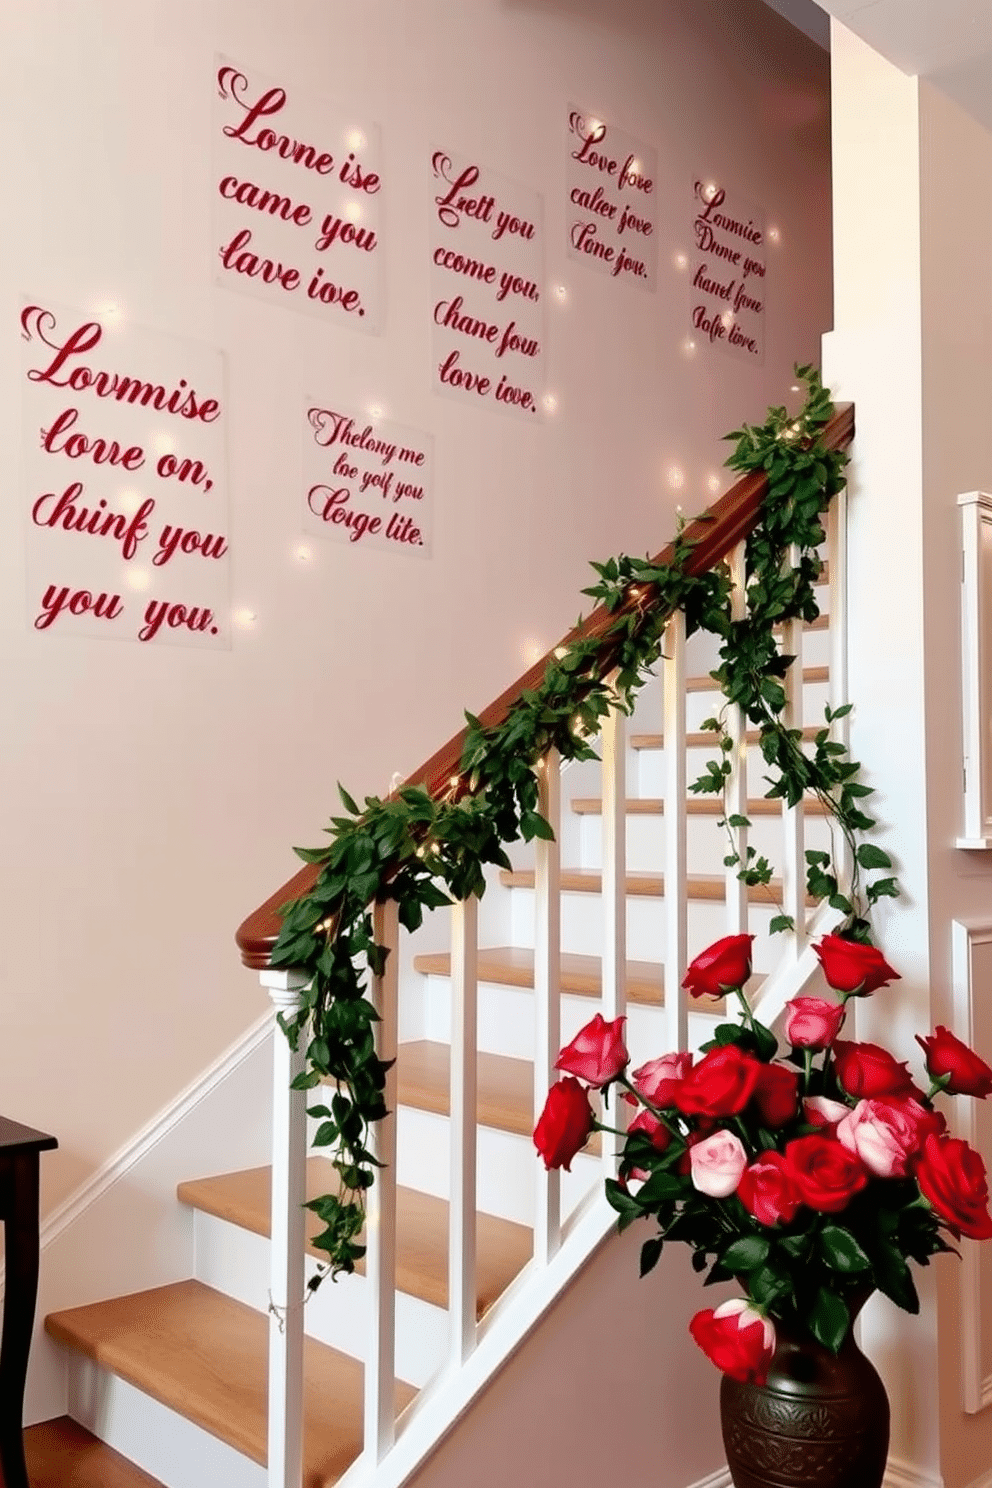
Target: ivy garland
426, 851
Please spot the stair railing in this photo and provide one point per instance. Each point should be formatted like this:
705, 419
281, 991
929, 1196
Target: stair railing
477, 1348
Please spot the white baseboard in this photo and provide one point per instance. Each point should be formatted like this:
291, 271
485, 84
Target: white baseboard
719, 1479
899, 1474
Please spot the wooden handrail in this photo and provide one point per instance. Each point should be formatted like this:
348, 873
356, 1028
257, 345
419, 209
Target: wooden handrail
714, 534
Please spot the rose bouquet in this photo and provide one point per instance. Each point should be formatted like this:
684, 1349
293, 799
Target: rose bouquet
811, 1180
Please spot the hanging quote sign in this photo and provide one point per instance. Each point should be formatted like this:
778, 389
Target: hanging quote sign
612, 213
296, 193
125, 471
728, 278
487, 286
367, 481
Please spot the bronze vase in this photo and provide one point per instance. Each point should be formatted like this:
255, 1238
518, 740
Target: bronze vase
821, 1421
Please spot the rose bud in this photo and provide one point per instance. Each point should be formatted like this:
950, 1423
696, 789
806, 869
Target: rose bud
722, 967
868, 1071
597, 1053
853, 968
812, 1022
768, 1191
952, 1177
885, 1134
716, 1164
648, 1123
658, 1080
737, 1339
820, 1111
947, 1055
776, 1094
825, 1173
721, 1084
564, 1125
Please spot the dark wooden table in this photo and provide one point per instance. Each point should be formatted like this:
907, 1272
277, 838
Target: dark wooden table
19, 1150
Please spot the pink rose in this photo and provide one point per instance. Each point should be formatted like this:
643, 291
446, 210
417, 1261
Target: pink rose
659, 1079
822, 1112
737, 1339
716, 1164
885, 1134
597, 1053
813, 1022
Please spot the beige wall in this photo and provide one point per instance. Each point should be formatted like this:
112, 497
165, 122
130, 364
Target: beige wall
149, 795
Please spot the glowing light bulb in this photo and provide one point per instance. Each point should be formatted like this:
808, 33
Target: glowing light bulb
561, 293
714, 483
560, 652
689, 346
676, 477
376, 410
356, 139
681, 260
129, 501
711, 189
303, 553
550, 402
163, 444
353, 211
774, 235
531, 651
138, 579
245, 618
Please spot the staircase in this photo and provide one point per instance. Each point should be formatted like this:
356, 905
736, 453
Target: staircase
470, 1240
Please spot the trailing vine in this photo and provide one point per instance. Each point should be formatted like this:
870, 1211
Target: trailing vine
424, 851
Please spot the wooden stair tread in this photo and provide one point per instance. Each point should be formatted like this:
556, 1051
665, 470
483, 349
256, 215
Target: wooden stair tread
707, 739
695, 806
63, 1454
513, 966
505, 1085
707, 683
502, 1247
711, 887
206, 1357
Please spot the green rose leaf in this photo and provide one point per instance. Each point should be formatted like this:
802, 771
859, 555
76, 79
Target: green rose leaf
746, 1254
841, 1251
829, 1320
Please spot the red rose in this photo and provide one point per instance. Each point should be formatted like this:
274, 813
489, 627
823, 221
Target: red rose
825, 1173
564, 1124
597, 1053
768, 1190
648, 1123
952, 1176
853, 968
812, 1022
868, 1071
721, 1084
658, 1080
776, 1094
947, 1055
737, 1339
724, 965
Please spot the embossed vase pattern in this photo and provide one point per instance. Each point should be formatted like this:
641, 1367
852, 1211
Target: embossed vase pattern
819, 1422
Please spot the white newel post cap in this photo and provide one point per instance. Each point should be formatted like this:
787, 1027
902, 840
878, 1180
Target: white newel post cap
284, 988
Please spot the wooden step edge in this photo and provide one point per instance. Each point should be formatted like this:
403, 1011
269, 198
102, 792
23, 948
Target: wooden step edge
503, 1247
700, 886
694, 806
707, 683
707, 740
513, 966
205, 1356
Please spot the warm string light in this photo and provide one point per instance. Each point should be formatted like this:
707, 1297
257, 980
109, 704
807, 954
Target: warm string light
561, 293
681, 261
550, 402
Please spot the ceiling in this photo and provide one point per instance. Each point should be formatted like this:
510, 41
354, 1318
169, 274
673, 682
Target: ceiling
948, 42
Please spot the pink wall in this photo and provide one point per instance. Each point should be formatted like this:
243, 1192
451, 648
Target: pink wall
149, 794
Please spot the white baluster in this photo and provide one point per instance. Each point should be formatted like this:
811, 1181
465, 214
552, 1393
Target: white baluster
547, 993
736, 792
287, 1249
837, 577
462, 1209
676, 891
380, 1363
614, 860
793, 819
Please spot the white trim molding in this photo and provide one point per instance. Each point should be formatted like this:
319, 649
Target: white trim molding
720, 1479
976, 688
976, 1351
899, 1474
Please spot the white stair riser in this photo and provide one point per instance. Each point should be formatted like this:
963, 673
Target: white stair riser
235, 1261
582, 919
507, 1166
506, 1020
707, 843
172, 1449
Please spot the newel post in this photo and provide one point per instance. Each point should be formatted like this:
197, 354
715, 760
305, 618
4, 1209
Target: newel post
286, 1285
